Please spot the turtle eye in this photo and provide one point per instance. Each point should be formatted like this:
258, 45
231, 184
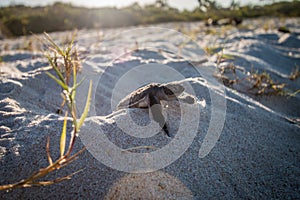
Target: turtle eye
168, 91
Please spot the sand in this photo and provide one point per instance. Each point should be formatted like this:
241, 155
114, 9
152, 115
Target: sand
229, 144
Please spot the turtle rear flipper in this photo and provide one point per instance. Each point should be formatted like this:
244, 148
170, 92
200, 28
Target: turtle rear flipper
157, 113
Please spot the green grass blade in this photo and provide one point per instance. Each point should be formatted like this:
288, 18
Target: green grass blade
228, 57
74, 88
59, 74
78, 84
74, 83
87, 106
63, 85
63, 137
70, 46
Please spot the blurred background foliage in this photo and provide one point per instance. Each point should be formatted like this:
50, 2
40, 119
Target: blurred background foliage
22, 20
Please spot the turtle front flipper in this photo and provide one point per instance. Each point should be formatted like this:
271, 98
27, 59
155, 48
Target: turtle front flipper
130, 102
157, 113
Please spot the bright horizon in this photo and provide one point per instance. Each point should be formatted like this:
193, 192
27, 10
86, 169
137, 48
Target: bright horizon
180, 4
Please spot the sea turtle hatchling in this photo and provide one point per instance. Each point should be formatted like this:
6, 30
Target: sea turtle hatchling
151, 94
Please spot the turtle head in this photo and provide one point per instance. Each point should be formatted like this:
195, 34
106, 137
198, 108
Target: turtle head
172, 90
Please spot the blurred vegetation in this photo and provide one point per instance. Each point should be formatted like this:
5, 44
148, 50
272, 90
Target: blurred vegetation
22, 20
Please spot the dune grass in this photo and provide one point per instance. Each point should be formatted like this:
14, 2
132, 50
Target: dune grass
264, 84
65, 63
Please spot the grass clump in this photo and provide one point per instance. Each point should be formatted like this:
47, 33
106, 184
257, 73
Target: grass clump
260, 83
70, 65
232, 78
264, 84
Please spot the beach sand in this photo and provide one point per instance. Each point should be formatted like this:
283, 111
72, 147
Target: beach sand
254, 153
